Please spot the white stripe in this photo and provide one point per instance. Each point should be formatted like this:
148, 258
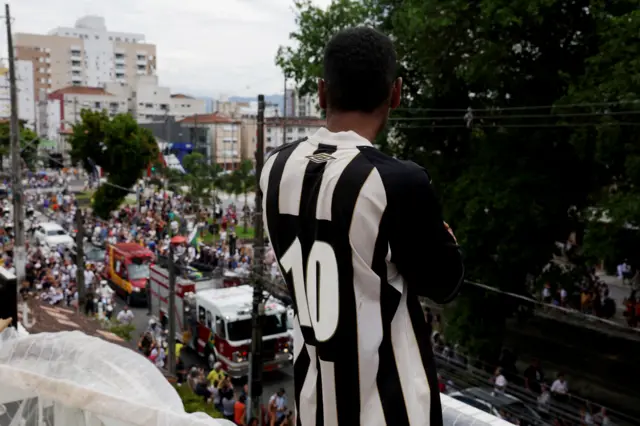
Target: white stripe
329, 407
330, 178
413, 378
309, 391
292, 178
365, 222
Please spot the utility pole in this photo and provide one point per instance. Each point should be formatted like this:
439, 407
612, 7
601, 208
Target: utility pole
82, 288
172, 313
284, 113
19, 250
255, 362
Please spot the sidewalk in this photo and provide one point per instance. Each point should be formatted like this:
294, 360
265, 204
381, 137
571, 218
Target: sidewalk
45, 318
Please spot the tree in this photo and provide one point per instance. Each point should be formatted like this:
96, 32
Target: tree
120, 147
611, 82
28, 141
245, 182
201, 178
487, 84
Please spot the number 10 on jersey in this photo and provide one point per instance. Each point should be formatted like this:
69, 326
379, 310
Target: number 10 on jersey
317, 294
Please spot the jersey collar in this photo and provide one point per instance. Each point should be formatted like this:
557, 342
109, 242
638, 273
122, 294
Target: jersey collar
340, 139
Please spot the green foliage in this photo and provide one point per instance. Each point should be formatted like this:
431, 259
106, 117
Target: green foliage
125, 331
508, 181
195, 404
123, 149
28, 141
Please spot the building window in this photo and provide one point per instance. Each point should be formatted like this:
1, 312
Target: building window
301, 129
268, 139
142, 68
289, 139
289, 130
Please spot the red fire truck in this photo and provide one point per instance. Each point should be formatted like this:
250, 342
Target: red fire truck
216, 322
159, 287
224, 330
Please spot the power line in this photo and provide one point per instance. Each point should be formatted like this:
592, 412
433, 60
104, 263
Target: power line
518, 126
517, 116
525, 107
554, 307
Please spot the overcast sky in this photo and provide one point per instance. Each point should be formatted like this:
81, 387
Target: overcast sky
205, 48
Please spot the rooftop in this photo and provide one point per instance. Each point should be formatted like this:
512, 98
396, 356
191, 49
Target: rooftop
231, 300
214, 118
295, 121
80, 90
181, 96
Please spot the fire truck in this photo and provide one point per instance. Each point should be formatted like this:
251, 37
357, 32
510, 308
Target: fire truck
185, 289
224, 329
216, 322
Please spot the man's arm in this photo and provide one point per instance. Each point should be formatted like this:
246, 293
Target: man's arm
422, 248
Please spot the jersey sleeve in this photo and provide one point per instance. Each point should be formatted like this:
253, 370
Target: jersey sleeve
424, 251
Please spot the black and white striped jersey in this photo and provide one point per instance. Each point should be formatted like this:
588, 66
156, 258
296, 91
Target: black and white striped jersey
358, 235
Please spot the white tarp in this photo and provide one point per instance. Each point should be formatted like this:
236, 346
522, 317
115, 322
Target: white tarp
76, 373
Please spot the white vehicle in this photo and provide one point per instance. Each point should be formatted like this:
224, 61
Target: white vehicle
224, 326
52, 235
216, 322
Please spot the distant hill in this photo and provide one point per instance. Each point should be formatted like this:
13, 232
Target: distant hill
269, 99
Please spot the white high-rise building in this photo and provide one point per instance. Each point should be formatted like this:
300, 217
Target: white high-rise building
26, 101
85, 55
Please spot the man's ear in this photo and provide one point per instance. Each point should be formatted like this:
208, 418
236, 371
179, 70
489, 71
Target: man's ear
396, 92
322, 98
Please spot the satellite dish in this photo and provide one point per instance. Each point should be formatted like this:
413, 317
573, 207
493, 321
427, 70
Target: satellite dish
3, 410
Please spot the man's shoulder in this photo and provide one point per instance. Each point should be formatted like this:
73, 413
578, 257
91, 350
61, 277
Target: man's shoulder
395, 173
285, 147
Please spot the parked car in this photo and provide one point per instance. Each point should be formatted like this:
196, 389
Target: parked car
499, 404
52, 235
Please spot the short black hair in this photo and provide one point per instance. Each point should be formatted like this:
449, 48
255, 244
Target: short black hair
360, 67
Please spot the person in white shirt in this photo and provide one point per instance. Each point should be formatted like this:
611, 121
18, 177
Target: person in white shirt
560, 388
499, 381
105, 292
125, 316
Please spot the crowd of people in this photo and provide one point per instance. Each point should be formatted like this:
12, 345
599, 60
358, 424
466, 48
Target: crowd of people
216, 388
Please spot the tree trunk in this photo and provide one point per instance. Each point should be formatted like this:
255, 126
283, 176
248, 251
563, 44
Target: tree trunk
244, 214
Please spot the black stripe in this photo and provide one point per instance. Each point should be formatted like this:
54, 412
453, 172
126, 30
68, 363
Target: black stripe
282, 228
309, 233
420, 330
388, 378
343, 348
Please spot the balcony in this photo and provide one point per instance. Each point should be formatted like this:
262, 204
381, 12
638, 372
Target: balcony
120, 60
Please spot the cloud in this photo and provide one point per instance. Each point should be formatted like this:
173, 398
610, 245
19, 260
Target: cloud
205, 47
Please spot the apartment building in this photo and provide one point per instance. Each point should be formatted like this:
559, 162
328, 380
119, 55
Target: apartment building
64, 107
221, 135
298, 105
279, 131
149, 102
27, 107
85, 55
